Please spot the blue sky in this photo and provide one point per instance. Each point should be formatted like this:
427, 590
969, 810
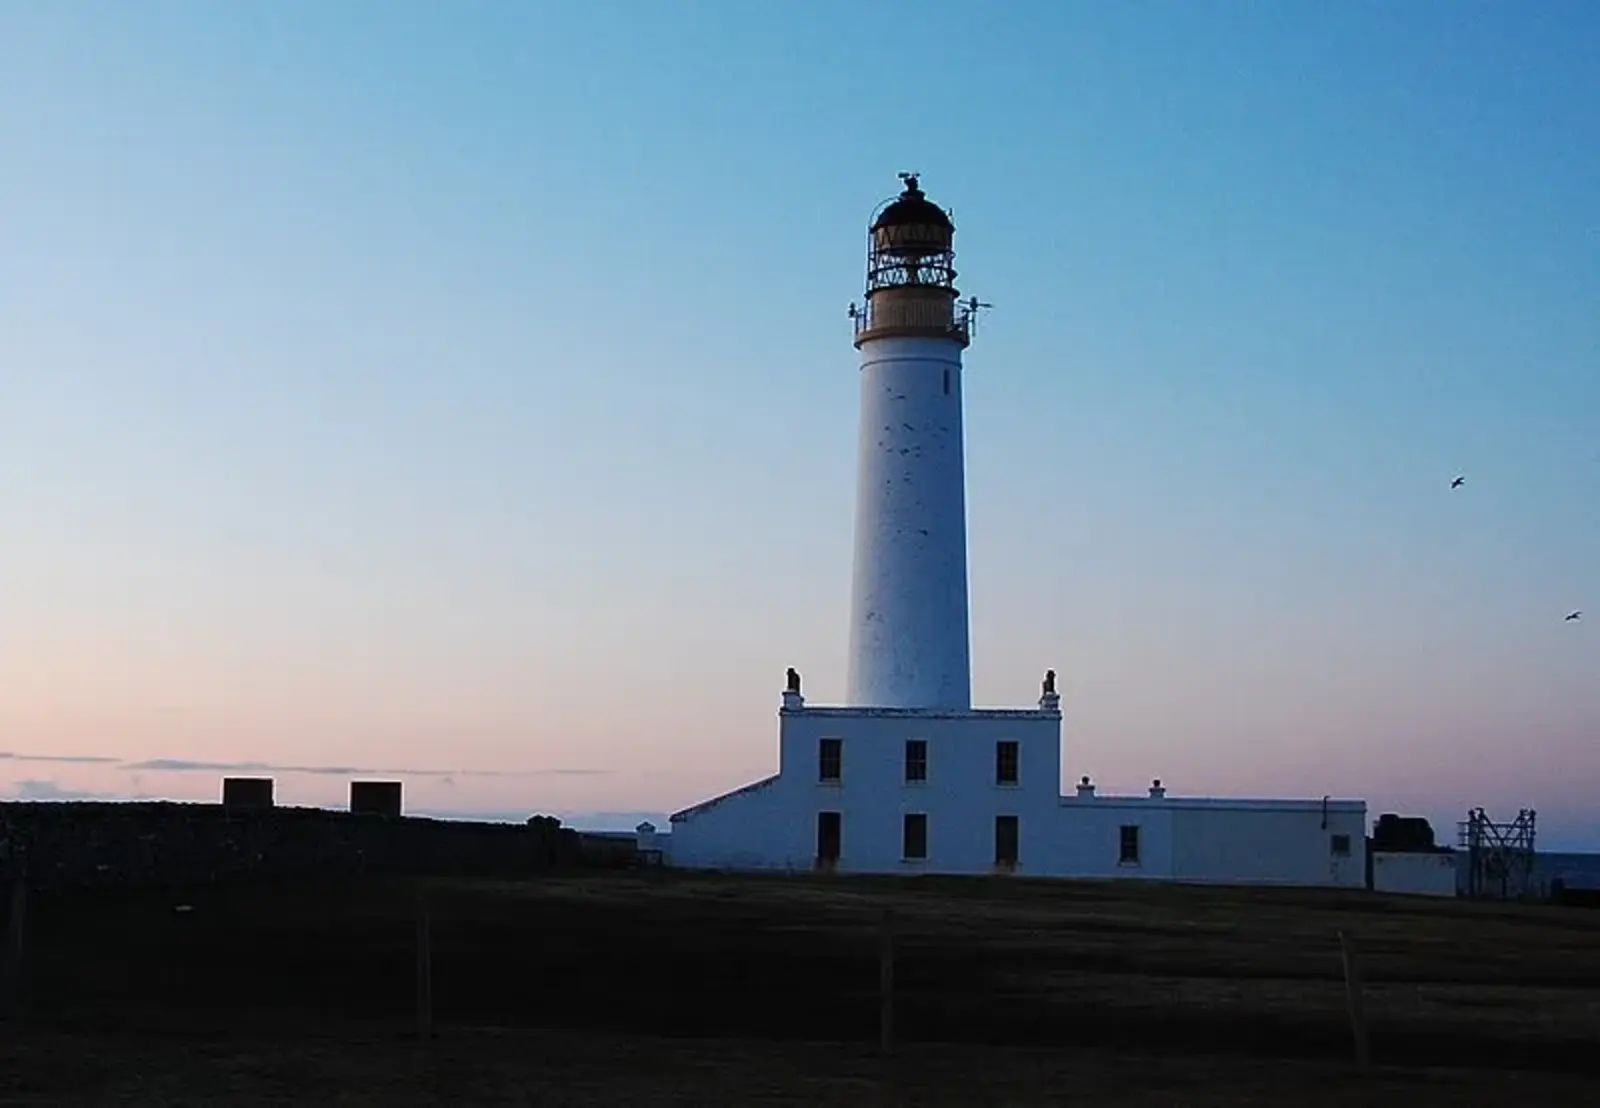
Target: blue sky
468, 387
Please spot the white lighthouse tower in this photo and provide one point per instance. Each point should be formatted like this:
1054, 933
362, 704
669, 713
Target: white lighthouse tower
909, 643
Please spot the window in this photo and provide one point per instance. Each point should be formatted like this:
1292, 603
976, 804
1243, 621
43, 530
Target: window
947, 382
1005, 840
915, 837
1128, 848
1005, 762
829, 835
829, 756
916, 759
1341, 845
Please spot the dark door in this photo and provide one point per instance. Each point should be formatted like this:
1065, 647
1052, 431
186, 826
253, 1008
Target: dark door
829, 834
1005, 841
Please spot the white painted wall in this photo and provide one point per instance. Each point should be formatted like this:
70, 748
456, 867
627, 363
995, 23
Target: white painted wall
751, 828
960, 796
909, 640
1422, 874
1269, 841
774, 824
1086, 838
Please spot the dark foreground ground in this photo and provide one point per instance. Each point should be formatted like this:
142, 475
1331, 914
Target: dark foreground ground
661, 989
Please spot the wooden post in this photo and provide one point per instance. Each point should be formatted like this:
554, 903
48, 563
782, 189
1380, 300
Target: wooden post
1354, 1000
13, 979
424, 970
886, 985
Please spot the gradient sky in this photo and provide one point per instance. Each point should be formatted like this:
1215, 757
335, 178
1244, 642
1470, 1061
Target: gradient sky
467, 387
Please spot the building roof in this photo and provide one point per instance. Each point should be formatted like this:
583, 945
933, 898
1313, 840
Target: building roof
696, 809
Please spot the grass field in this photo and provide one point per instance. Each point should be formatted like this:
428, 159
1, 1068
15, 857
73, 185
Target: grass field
630, 988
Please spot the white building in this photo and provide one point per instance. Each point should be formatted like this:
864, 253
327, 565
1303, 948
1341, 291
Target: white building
1417, 872
910, 778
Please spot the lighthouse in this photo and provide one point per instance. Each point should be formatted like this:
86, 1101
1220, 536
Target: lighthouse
907, 776
909, 641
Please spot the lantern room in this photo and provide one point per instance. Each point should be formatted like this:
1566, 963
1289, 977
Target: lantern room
911, 273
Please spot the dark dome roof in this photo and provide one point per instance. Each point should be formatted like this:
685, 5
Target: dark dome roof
912, 208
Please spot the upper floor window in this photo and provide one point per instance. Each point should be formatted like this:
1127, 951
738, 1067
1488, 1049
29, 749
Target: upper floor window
1340, 845
830, 757
916, 759
1005, 762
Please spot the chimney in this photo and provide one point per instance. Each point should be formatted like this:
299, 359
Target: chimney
1085, 790
247, 792
375, 798
1156, 790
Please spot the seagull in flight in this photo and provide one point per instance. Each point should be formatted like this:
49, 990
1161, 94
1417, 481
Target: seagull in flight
1573, 616
1458, 482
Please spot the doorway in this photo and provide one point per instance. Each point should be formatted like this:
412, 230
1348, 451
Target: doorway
829, 836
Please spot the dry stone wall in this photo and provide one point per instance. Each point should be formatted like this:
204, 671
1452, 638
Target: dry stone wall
66, 845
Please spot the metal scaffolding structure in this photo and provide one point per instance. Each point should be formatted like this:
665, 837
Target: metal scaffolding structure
1499, 856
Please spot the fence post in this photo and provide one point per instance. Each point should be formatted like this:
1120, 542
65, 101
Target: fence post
886, 985
1354, 999
15, 947
424, 969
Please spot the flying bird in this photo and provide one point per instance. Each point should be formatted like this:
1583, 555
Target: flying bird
1458, 482
1573, 616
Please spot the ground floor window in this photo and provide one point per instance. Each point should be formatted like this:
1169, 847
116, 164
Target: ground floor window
829, 836
1341, 845
1128, 850
914, 837
1005, 840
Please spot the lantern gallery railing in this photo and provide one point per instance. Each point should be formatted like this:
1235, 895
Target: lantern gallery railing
890, 314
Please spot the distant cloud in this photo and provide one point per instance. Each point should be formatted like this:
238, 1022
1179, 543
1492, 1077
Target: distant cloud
474, 816
612, 821
49, 790
191, 765
77, 759
186, 765
578, 821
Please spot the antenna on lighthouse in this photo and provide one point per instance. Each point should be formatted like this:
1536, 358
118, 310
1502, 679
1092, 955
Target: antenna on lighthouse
968, 320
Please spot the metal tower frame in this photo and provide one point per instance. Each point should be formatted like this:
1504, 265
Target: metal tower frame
1499, 856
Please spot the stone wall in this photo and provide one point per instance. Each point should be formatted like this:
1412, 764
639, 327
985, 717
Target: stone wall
1570, 897
64, 845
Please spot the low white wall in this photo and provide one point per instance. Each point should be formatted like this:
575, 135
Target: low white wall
1264, 842
1204, 839
746, 829
1420, 874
